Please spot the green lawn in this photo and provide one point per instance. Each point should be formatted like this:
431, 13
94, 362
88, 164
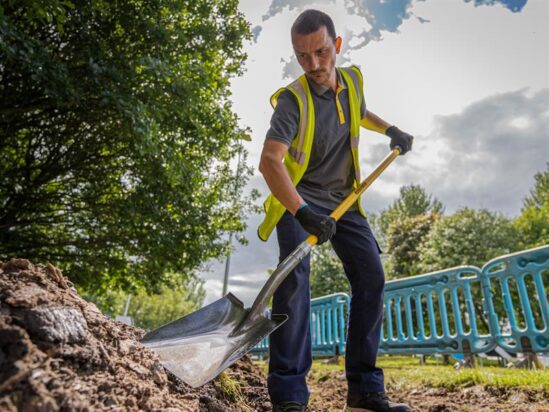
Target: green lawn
405, 372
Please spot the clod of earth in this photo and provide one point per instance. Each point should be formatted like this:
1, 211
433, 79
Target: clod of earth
58, 352
65, 325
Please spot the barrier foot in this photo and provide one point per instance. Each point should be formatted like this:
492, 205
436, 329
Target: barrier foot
469, 361
530, 361
334, 360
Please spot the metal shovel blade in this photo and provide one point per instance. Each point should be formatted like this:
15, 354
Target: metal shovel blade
198, 347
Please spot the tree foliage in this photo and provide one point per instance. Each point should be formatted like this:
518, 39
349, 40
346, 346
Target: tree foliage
468, 237
150, 311
539, 195
327, 274
404, 240
533, 223
117, 136
401, 227
413, 201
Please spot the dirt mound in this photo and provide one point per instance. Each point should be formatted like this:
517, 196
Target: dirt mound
58, 352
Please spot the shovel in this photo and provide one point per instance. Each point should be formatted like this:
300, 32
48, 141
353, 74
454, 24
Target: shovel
198, 347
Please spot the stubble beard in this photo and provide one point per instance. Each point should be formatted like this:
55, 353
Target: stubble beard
319, 76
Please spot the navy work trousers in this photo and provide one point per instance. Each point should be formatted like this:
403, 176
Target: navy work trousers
290, 345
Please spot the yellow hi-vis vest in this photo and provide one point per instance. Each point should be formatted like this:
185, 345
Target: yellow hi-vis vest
297, 158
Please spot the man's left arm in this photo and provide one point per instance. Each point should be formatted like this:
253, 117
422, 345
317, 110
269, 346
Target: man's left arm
398, 138
373, 122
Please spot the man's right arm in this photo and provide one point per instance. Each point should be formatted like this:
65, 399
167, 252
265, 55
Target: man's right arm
276, 175
282, 187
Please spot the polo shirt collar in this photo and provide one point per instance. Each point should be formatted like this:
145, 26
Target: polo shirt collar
320, 89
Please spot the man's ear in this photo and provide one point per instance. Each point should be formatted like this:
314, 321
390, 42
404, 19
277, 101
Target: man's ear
338, 44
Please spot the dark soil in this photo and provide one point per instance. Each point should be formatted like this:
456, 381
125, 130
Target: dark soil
328, 393
59, 353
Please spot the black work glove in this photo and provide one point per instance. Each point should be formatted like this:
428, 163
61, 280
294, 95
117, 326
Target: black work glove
399, 138
322, 226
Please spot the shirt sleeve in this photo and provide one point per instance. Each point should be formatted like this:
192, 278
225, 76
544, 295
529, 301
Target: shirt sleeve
285, 119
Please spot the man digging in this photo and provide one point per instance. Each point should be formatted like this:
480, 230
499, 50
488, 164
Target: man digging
310, 163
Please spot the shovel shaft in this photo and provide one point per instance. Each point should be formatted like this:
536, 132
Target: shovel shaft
304, 248
277, 277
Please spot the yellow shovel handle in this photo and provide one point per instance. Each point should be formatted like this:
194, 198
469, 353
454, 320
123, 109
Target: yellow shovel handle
353, 197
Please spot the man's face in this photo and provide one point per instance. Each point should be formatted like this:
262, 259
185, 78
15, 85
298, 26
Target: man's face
316, 54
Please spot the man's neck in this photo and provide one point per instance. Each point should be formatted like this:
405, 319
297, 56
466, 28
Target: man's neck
332, 82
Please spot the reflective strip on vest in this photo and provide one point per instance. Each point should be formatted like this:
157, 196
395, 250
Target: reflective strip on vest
297, 158
353, 78
297, 152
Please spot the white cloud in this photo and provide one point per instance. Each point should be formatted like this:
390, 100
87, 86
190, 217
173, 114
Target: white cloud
464, 54
489, 163
482, 160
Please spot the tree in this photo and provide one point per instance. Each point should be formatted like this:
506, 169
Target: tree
533, 223
150, 311
539, 195
327, 274
468, 237
117, 136
404, 240
413, 201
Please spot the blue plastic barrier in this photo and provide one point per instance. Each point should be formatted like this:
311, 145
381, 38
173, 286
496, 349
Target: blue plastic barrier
435, 313
328, 324
262, 348
460, 310
517, 293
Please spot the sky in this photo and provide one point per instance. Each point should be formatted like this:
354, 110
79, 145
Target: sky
469, 79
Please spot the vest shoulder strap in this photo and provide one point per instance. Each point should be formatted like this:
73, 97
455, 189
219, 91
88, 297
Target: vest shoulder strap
356, 76
300, 90
296, 87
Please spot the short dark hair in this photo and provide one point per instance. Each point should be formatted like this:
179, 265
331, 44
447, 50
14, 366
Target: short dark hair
311, 20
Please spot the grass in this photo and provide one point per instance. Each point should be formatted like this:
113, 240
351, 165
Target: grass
229, 386
232, 389
405, 372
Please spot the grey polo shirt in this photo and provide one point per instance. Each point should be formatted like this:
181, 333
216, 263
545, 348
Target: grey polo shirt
330, 173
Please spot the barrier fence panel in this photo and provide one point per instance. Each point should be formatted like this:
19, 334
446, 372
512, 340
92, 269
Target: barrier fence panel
459, 310
262, 348
517, 292
436, 313
328, 324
